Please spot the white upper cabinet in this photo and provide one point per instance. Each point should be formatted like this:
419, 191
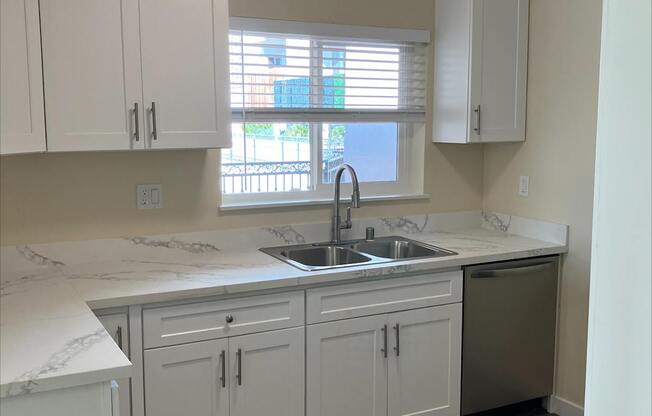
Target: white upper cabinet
185, 73
106, 61
22, 123
480, 71
91, 65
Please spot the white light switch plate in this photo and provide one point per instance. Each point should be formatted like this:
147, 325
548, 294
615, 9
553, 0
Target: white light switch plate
524, 186
149, 196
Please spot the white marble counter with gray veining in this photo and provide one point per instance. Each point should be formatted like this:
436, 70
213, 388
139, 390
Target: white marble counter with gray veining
50, 338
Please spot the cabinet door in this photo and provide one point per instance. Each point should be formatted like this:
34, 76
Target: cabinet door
499, 70
347, 367
185, 73
22, 124
91, 64
451, 87
425, 361
118, 327
188, 379
268, 373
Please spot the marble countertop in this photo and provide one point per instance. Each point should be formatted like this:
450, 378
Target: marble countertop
50, 337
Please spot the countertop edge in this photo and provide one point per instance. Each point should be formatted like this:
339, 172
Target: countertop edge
27, 387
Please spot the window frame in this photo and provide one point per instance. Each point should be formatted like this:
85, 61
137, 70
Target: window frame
410, 136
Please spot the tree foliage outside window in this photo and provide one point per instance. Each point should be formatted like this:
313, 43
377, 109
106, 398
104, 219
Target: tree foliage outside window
259, 129
297, 130
338, 132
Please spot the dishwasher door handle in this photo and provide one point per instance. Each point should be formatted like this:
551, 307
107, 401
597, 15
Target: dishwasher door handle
509, 272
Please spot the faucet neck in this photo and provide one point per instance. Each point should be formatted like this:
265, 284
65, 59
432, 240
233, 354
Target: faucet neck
336, 220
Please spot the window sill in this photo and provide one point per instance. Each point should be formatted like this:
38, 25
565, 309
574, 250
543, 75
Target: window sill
317, 202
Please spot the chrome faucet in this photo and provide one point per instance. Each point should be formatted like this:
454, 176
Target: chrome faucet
336, 222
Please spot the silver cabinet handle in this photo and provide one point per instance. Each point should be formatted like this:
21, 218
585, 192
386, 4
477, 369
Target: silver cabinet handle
118, 336
228, 318
477, 119
535, 268
223, 363
238, 375
384, 349
136, 123
154, 131
397, 348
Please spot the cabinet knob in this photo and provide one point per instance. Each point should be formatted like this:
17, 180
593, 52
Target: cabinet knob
229, 318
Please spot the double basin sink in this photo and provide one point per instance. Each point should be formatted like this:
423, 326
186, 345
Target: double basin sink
323, 256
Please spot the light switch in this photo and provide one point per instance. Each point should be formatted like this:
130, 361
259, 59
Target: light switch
149, 196
524, 186
156, 196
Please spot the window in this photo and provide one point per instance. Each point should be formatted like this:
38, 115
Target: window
304, 103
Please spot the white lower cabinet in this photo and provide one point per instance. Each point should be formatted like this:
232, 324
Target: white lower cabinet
267, 373
117, 325
424, 369
394, 354
398, 364
347, 367
249, 375
187, 379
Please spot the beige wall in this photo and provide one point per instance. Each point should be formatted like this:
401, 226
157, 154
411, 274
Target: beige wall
55, 197
559, 157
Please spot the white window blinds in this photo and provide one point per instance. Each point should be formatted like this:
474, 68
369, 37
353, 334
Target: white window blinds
312, 77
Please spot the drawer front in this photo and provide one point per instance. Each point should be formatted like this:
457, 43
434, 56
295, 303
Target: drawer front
171, 325
382, 296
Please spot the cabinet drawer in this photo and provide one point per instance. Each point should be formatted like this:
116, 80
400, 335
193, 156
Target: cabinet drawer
381, 296
180, 324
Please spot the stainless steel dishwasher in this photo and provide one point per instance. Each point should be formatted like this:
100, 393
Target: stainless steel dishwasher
508, 339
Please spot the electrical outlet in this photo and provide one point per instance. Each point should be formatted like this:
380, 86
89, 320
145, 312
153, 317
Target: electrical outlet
524, 186
149, 196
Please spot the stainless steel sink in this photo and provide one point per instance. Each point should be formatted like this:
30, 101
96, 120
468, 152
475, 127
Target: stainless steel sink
399, 248
323, 256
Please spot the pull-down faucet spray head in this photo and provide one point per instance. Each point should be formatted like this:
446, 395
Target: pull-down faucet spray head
355, 198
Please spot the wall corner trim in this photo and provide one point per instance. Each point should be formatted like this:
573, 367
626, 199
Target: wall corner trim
563, 407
